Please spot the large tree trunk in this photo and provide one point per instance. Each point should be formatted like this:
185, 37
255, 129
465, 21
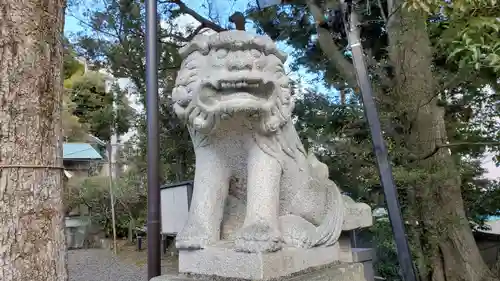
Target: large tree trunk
445, 237
445, 247
32, 241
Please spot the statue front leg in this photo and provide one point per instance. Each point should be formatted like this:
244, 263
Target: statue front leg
260, 231
211, 184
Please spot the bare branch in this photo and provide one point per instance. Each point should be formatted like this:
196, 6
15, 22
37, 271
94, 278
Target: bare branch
93, 26
445, 145
382, 12
188, 38
391, 12
139, 32
195, 32
204, 21
329, 47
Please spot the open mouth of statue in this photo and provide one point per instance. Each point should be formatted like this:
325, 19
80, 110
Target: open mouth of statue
236, 91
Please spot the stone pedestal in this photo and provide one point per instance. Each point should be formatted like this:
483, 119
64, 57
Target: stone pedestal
337, 272
225, 262
365, 257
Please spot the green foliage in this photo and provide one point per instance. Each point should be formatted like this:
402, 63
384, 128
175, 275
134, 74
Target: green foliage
71, 65
130, 200
124, 114
73, 130
386, 264
117, 41
94, 106
340, 137
471, 30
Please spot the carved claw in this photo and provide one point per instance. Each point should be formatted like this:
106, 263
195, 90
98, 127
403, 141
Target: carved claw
297, 231
258, 237
195, 243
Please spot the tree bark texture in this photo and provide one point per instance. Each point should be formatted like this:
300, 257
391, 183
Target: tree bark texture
32, 240
445, 237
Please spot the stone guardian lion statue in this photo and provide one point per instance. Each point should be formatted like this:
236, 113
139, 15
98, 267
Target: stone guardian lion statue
251, 167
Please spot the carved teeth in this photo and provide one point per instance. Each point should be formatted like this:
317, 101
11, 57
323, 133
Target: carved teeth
238, 85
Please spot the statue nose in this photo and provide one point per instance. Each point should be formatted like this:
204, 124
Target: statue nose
239, 65
239, 62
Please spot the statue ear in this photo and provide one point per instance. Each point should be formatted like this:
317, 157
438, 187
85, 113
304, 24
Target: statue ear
318, 169
180, 111
181, 97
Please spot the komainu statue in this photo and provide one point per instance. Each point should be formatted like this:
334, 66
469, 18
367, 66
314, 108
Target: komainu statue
254, 184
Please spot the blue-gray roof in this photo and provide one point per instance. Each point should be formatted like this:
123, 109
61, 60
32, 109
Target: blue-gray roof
82, 151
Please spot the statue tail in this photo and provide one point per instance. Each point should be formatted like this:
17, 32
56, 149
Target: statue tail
302, 233
328, 232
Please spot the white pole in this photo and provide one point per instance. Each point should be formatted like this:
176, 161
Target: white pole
112, 197
107, 88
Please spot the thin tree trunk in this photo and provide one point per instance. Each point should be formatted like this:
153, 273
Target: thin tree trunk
446, 239
32, 240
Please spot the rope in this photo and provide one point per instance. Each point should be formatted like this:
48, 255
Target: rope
29, 166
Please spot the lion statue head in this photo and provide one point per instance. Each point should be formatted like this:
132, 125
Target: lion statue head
232, 72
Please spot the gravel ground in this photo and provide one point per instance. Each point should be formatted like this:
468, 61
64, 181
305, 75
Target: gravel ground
102, 265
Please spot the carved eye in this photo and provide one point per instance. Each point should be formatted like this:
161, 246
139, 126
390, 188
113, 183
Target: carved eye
221, 53
256, 54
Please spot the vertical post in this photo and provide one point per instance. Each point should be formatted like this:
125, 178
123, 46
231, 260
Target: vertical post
354, 238
380, 150
239, 20
112, 196
154, 250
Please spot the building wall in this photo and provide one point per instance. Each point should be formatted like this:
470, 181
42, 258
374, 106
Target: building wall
87, 168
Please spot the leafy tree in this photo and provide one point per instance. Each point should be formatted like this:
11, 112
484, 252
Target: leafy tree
93, 192
341, 138
94, 105
97, 110
71, 65
424, 100
73, 130
470, 30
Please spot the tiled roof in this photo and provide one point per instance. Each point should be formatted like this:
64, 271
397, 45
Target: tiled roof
80, 151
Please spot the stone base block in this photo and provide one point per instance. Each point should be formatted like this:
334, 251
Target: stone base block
225, 262
358, 215
338, 272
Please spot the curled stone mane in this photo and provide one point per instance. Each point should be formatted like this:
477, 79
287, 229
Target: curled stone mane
196, 69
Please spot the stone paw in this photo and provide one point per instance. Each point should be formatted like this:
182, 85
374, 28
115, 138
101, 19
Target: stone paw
258, 237
193, 237
298, 240
297, 231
